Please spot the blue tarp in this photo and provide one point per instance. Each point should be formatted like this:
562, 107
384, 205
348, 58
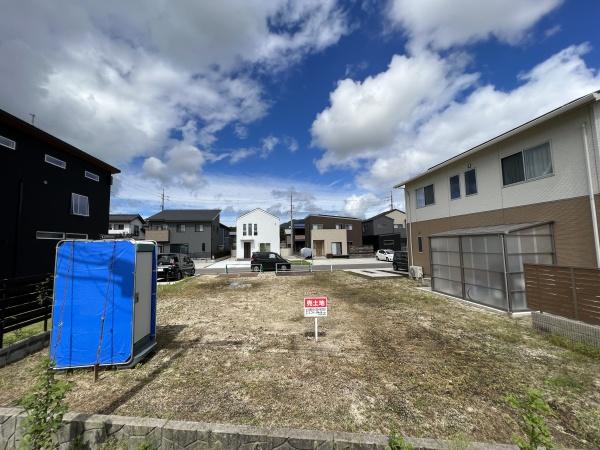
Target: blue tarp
93, 279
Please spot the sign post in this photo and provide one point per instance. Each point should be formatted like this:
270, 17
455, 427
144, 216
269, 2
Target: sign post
315, 307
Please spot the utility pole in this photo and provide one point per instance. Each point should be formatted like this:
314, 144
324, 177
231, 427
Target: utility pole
292, 217
391, 200
162, 199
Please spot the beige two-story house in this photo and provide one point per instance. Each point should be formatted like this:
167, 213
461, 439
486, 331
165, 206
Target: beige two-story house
528, 195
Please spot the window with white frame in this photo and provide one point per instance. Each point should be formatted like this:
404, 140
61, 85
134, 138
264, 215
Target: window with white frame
49, 235
199, 227
527, 165
454, 187
55, 161
8, 143
76, 236
80, 205
244, 229
425, 196
92, 176
470, 182
181, 228
317, 226
255, 229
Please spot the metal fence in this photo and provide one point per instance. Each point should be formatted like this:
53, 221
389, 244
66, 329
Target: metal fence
24, 301
571, 292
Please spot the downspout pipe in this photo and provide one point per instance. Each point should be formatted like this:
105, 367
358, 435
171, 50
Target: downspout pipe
591, 193
409, 221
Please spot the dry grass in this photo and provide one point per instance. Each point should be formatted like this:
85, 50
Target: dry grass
391, 357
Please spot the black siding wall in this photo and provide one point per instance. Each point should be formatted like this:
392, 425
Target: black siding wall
37, 197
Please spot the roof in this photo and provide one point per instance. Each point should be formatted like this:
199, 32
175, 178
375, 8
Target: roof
385, 213
40, 134
331, 216
592, 97
125, 218
257, 209
492, 229
185, 215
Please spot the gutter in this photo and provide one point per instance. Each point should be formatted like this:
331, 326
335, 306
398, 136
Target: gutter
591, 193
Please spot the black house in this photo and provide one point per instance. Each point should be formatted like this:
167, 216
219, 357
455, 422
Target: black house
51, 191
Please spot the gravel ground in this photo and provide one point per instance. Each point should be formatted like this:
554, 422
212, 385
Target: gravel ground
389, 357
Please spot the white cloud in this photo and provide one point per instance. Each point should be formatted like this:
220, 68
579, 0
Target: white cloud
240, 131
438, 128
241, 154
118, 78
268, 144
291, 143
365, 117
444, 24
358, 205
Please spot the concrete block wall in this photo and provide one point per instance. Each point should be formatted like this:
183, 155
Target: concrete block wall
571, 329
21, 349
91, 430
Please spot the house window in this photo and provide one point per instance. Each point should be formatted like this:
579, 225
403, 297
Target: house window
49, 235
244, 232
76, 236
9, 143
265, 247
181, 227
420, 244
388, 243
119, 226
91, 176
203, 247
529, 164
343, 226
470, 182
317, 226
199, 227
454, 187
425, 196
136, 230
55, 161
336, 248
80, 205
255, 229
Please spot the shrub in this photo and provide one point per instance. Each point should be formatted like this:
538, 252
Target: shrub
532, 410
45, 408
397, 442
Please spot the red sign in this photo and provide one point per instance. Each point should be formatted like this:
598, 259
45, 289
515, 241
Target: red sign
315, 306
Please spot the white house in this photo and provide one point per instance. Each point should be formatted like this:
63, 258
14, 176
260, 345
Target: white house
126, 225
256, 231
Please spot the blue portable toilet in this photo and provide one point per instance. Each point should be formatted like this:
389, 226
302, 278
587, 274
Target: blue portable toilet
104, 306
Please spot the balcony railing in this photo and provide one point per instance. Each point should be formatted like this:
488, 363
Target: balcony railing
157, 235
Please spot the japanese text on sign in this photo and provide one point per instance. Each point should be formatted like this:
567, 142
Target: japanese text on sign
315, 306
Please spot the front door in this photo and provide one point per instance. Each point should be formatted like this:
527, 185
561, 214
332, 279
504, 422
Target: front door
319, 248
247, 248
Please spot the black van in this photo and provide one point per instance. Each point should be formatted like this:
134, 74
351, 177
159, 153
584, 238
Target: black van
400, 261
174, 266
268, 261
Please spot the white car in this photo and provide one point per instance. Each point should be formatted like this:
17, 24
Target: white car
385, 255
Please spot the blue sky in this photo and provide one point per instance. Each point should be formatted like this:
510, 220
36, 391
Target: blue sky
234, 104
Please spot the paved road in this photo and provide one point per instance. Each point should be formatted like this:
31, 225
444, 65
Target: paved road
297, 268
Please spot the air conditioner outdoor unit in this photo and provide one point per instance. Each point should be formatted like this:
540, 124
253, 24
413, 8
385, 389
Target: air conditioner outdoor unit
415, 272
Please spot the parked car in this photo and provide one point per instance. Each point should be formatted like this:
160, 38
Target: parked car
268, 261
384, 255
174, 266
400, 260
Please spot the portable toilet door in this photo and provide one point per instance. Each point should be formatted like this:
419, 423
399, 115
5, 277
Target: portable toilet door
144, 328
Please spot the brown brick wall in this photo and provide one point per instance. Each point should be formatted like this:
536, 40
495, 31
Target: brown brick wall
573, 234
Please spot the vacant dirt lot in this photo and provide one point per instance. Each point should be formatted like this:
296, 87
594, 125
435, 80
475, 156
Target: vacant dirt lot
390, 357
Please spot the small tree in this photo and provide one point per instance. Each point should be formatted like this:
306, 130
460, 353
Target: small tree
533, 410
397, 442
45, 408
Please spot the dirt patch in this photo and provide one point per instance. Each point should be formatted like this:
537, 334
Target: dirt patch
390, 357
